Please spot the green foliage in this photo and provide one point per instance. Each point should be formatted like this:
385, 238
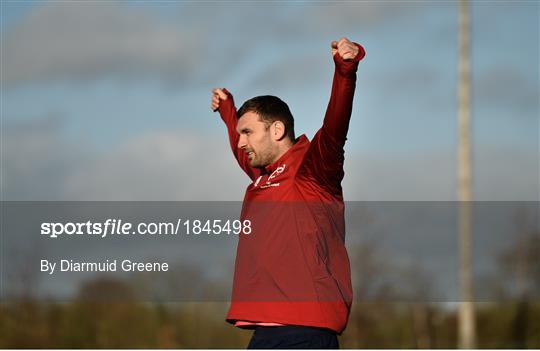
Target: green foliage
87, 324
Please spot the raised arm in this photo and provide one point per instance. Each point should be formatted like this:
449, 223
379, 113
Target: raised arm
346, 56
326, 155
222, 101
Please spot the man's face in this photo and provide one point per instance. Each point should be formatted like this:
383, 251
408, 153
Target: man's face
255, 140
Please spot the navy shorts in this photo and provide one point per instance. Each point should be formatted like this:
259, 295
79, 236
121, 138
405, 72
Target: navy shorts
293, 337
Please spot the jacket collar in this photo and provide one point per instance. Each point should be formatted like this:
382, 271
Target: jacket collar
300, 144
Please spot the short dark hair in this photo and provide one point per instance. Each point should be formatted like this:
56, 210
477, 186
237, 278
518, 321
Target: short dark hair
270, 109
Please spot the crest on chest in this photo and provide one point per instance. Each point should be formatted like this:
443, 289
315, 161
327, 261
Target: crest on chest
270, 180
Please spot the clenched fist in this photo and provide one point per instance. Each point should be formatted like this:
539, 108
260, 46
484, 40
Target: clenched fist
217, 95
345, 48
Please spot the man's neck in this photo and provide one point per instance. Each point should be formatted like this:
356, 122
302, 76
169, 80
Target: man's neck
283, 148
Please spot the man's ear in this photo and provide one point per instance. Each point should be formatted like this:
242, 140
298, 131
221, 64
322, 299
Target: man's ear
277, 130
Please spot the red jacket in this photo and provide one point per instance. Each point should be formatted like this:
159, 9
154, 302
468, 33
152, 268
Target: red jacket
293, 268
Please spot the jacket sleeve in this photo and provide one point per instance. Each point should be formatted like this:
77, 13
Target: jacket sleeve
227, 111
325, 158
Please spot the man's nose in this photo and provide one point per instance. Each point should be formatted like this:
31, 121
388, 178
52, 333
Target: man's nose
242, 142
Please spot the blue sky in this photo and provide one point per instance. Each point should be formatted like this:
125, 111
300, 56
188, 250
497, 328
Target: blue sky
89, 88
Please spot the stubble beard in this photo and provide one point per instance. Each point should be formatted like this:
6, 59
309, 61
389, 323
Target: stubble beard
262, 159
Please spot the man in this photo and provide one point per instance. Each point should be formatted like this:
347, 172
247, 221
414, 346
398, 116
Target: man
292, 280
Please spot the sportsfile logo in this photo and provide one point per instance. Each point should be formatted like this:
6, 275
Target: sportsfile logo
274, 174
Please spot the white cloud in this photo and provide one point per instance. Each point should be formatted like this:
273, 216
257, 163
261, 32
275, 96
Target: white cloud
499, 174
84, 41
180, 165
169, 165
508, 87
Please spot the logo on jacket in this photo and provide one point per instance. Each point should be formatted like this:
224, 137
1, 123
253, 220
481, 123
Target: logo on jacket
274, 174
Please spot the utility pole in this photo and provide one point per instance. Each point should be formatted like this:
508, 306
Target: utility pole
466, 317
